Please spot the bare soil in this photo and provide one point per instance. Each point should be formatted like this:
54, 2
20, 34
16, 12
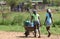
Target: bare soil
20, 35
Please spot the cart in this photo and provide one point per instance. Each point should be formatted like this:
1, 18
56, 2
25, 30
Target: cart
28, 28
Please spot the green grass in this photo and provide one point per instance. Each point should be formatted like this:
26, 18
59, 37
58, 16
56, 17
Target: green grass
17, 28
25, 15
14, 28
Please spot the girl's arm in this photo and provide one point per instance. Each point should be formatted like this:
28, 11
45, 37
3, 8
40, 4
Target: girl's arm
31, 18
45, 20
51, 19
39, 20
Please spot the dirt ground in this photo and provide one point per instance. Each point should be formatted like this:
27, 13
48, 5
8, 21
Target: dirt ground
20, 35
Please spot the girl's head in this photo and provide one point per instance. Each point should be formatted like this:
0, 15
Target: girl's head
34, 12
48, 10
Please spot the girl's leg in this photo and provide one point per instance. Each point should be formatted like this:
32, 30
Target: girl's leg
35, 31
48, 29
38, 30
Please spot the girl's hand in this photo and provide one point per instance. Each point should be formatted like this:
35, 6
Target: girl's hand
40, 25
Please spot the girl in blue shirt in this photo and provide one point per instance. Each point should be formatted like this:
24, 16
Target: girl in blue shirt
48, 21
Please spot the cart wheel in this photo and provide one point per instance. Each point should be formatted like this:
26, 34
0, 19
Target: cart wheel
26, 33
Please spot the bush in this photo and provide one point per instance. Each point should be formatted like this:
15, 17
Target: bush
6, 22
57, 22
5, 19
18, 20
13, 18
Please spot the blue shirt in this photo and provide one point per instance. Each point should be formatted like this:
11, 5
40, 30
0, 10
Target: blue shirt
48, 18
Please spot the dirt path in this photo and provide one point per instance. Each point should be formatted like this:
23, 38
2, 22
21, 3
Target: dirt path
20, 35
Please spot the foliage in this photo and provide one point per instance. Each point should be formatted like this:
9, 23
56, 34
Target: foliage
45, 2
13, 2
57, 22
52, 2
29, 4
57, 2
18, 20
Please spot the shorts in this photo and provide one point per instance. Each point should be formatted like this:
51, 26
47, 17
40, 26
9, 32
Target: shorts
36, 23
48, 23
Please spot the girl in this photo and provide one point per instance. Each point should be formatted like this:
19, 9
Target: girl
48, 21
36, 20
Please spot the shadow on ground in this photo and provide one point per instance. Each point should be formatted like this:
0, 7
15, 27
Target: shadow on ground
25, 37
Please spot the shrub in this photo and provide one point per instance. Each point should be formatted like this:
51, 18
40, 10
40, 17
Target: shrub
18, 20
57, 22
5, 19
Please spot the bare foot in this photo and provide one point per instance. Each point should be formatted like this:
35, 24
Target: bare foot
39, 36
49, 35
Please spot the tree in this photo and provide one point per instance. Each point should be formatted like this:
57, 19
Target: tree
13, 3
57, 2
45, 1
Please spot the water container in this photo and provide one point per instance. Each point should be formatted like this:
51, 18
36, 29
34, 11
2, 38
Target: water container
32, 24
